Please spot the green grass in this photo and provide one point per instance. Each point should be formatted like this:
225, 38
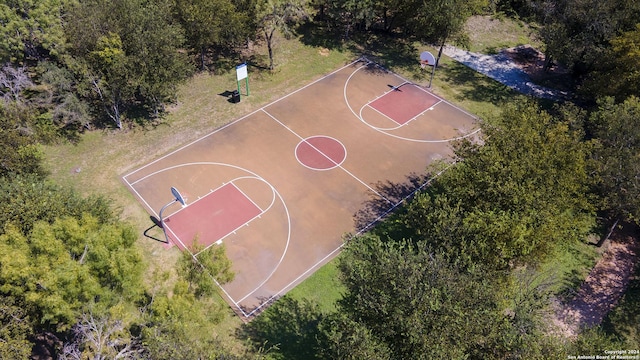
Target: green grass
103, 156
489, 35
322, 288
568, 266
95, 164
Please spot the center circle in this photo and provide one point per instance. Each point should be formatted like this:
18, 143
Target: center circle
320, 153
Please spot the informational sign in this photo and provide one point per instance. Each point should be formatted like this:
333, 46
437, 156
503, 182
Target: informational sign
241, 72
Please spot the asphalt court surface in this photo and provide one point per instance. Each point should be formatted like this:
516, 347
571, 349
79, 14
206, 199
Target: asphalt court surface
305, 164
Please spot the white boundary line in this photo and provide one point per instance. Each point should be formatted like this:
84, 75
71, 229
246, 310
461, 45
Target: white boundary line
346, 99
323, 154
439, 100
306, 141
368, 105
254, 176
238, 120
360, 232
268, 301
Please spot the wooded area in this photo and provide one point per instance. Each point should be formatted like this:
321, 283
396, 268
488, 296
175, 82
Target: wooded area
451, 274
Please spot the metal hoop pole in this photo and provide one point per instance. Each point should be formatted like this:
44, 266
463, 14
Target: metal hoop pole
162, 220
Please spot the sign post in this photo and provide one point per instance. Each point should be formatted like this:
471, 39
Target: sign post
241, 73
427, 58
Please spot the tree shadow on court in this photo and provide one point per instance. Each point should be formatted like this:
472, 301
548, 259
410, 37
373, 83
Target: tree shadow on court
288, 327
377, 208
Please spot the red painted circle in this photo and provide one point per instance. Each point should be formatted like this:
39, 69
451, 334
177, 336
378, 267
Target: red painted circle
320, 153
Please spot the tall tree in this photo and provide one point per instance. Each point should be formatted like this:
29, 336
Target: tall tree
290, 326
57, 269
178, 325
511, 199
404, 294
153, 43
31, 29
346, 16
20, 153
15, 328
440, 21
210, 23
617, 129
620, 62
344, 338
28, 199
128, 52
278, 15
111, 80
577, 32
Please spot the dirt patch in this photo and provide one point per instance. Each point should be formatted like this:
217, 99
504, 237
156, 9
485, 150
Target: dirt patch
532, 61
604, 286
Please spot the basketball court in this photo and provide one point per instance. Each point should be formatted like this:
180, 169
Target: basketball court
280, 186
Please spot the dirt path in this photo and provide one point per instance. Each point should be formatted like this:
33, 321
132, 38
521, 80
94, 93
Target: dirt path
607, 281
604, 286
504, 68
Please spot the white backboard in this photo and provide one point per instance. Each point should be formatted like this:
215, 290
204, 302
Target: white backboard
241, 72
428, 58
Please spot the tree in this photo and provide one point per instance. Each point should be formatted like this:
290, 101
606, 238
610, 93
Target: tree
620, 62
12, 83
153, 43
31, 29
60, 95
577, 32
111, 82
511, 199
100, 338
441, 20
405, 301
343, 338
20, 153
289, 326
14, 330
178, 325
128, 51
346, 16
209, 23
278, 15
403, 293
26, 200
202, 272
616, 127
57, 269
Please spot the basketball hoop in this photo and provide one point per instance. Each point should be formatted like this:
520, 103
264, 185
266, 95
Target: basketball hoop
427, 58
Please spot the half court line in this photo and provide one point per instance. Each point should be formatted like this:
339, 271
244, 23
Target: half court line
328, 158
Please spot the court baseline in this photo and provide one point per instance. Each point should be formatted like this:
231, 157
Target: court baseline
138, 181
